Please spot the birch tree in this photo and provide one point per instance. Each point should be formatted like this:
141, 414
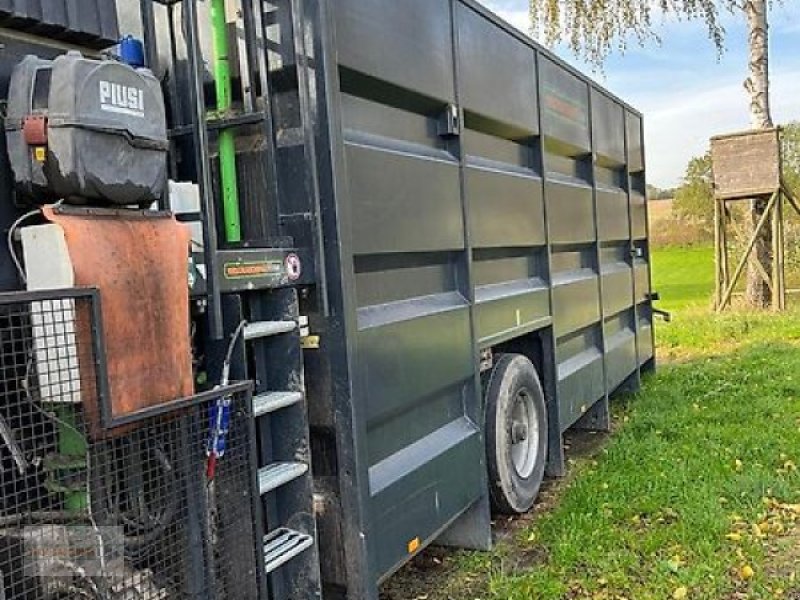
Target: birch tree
595, 28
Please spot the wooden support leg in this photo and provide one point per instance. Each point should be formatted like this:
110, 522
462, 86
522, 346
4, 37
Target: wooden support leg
774, 285
782, 256
726, 268
718, 279
726, 296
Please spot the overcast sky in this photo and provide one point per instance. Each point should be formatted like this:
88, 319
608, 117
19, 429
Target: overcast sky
685, 93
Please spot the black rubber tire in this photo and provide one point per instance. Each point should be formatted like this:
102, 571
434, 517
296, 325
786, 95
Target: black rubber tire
512, 492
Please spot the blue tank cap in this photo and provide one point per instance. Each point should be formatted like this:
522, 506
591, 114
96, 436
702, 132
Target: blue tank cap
131, 52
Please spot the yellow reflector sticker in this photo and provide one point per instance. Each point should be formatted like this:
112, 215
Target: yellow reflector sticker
40, 153
310, 342
414, 545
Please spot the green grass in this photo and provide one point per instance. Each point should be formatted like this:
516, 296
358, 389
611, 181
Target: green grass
705, 452
684, 276
693, 486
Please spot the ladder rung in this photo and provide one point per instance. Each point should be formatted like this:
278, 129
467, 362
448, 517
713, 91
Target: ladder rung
271, 401
282, 545
275, 475
253, 331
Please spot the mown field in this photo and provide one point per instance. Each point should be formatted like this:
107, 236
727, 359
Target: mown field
696, 494
684, 277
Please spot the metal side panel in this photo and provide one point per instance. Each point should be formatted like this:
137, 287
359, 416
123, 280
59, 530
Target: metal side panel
612, 215
506, 208
506, 311
512, 295
517, 107
445, 235
576, 302
645, 334
413, 367
570, 211
617, 288
92, 23
414, 370
608, 129
579, 389
615, 270
638, 215
406, 44
565, 108
395, 375
621, 359
404, 203
420, 490
640, 245
580, 376
641, 278
502, 186
635, 143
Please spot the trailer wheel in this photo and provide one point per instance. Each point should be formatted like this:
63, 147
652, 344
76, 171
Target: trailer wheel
516, 434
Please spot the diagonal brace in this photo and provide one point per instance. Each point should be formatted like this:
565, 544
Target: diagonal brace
726, 297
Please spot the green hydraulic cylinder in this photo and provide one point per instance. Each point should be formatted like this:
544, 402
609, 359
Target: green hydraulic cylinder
67, 469
227, 143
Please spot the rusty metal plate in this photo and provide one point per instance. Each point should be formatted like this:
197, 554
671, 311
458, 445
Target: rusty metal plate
747, 164
139, 265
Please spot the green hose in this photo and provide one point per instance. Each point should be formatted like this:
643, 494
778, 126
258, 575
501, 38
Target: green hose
227, 144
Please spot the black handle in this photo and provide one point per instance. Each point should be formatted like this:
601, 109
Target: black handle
667, 316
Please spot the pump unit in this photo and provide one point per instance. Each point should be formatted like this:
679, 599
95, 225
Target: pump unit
87, 131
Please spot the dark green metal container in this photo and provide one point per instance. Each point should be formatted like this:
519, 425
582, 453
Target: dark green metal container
476, 193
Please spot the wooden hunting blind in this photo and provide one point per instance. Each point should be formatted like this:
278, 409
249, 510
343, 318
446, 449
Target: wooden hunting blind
748, 166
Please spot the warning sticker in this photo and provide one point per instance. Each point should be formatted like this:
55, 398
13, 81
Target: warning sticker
294, 267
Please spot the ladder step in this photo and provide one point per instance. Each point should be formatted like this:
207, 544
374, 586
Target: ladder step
262, 329
282, 545
275, 475
271, 401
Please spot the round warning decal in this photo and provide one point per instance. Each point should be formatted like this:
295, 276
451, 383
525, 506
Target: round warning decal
294, 268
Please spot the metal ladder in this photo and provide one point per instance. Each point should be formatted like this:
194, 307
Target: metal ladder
290, 551
270, 351
273, 342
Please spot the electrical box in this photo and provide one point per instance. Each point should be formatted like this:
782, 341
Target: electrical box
87, 131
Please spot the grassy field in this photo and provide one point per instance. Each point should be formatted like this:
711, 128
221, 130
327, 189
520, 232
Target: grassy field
684, 277
695, 495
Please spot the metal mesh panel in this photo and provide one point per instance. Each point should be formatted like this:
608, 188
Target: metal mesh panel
122, 514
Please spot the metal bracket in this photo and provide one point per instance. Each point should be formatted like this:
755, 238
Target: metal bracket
667, 316
450, 122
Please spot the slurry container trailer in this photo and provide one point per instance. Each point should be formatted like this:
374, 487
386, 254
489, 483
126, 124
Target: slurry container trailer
295, 288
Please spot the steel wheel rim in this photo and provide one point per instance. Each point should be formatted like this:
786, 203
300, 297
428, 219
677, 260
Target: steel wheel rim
524, 434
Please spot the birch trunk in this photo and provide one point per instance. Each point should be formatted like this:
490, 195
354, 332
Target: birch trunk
757, 294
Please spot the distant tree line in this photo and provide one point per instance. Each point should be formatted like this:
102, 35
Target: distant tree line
657, 193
